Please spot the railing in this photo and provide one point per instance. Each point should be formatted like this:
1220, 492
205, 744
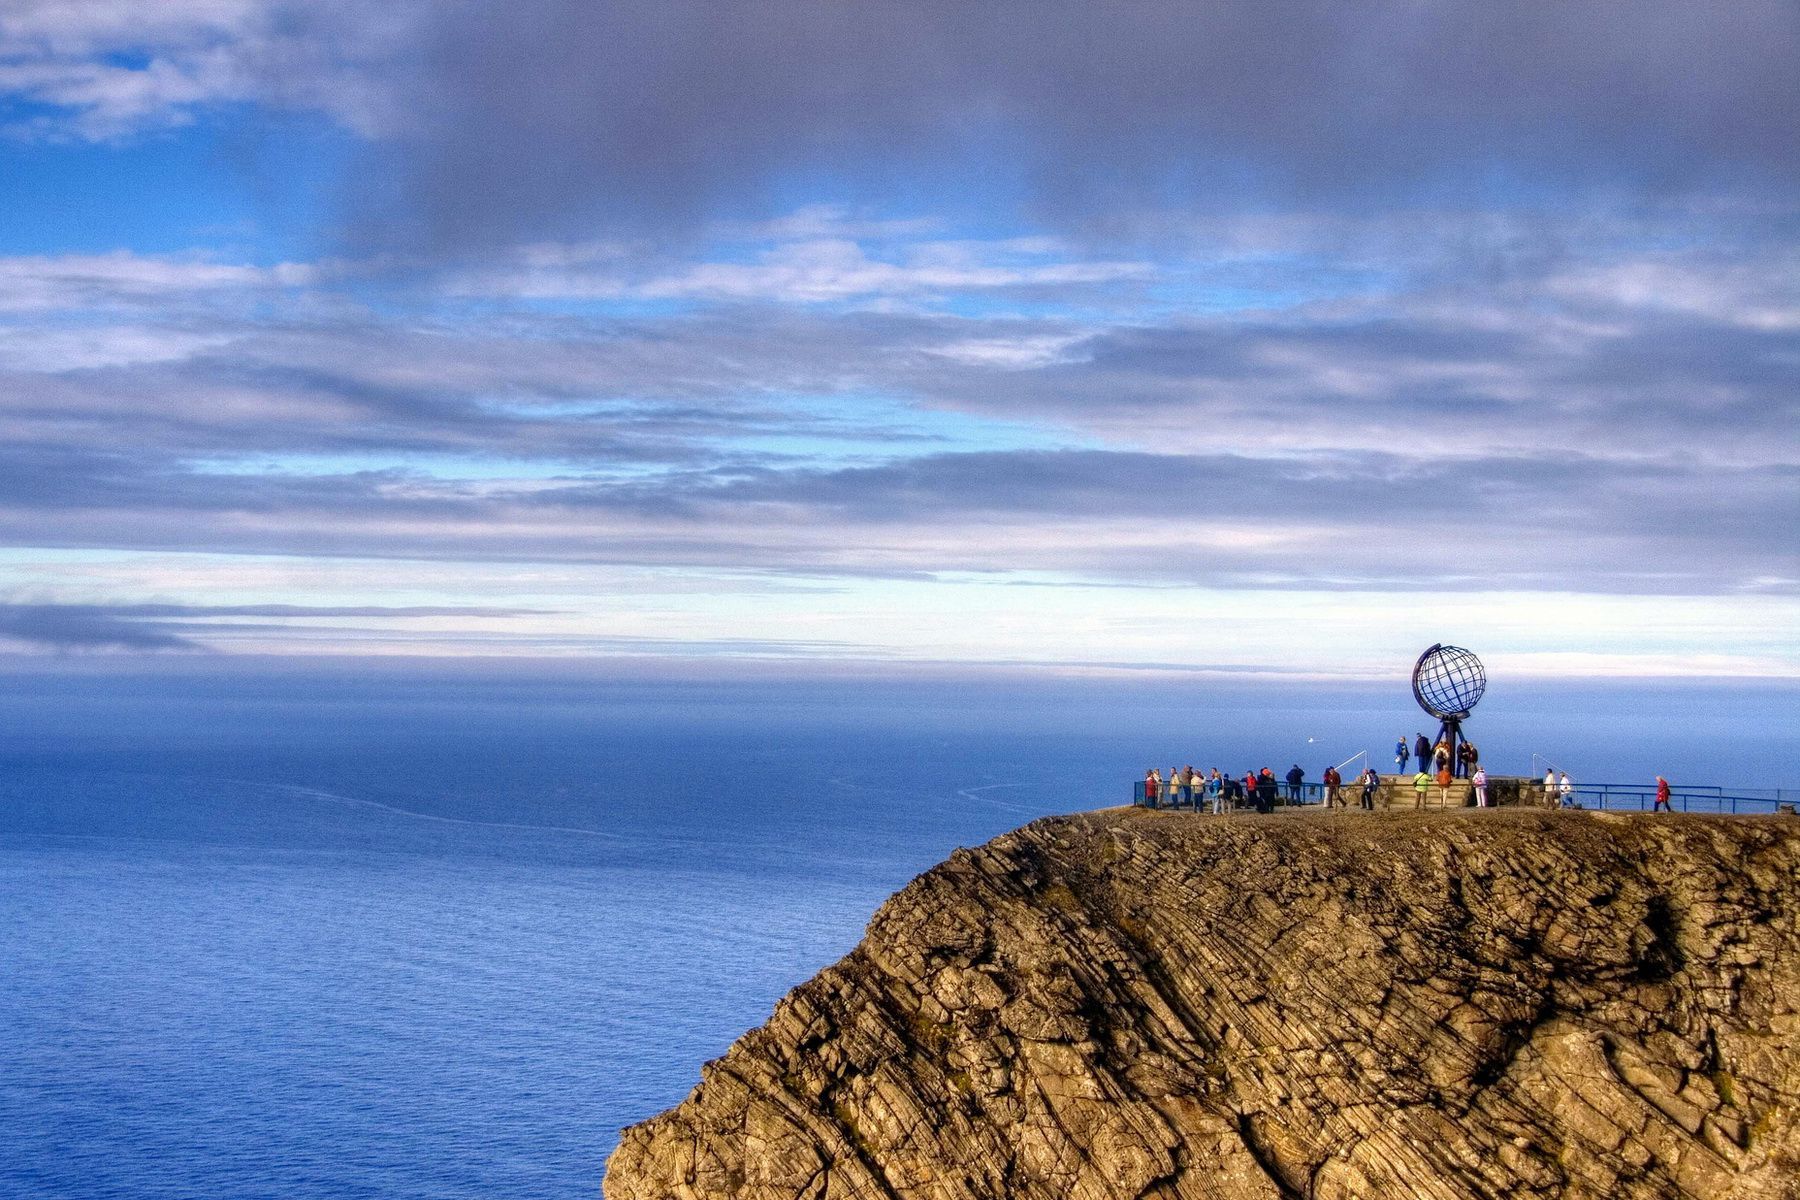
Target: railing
1611, 797
1638, 797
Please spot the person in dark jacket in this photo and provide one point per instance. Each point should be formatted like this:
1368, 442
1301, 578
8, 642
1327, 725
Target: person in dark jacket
1265, 791
1295, 777
1422, 752
1371, 784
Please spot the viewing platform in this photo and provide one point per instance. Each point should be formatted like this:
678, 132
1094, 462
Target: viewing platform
1398, 792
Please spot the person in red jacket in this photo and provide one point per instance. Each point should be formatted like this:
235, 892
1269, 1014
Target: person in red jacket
1662, 796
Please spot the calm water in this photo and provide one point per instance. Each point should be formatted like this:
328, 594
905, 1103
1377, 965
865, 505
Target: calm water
435, 940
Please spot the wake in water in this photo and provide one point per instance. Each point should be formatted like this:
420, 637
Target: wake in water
353, 801
973, 794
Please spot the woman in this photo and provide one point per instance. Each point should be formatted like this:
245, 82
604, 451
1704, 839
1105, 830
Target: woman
1421, 781
1400, 754
1371, 784
1152, 787
1480, 782
1215, 791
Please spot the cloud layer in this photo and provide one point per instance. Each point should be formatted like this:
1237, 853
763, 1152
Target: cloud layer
705, 301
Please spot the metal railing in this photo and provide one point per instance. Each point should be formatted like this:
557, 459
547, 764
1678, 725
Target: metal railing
1638, 797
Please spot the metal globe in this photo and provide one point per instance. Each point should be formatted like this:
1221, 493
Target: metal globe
1448, 681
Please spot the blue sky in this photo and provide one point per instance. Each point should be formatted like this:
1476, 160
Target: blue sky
1197, 337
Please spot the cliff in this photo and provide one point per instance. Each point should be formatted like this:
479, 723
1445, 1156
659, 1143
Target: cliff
1136, 1004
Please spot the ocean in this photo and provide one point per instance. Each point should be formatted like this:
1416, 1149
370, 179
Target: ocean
444, 935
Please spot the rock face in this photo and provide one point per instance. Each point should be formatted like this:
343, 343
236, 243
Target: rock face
1138, 1004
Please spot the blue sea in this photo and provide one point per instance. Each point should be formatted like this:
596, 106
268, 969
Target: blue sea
443, 935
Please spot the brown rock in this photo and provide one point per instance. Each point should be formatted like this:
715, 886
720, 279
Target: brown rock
1135, 1004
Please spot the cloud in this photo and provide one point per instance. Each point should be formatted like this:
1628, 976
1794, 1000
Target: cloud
1589, 406
108, 70
123, 280
160, 627
566, 116
64, 627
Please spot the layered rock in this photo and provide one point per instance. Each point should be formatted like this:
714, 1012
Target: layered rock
1137, 1004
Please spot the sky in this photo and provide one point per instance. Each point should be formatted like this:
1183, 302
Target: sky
1085, 337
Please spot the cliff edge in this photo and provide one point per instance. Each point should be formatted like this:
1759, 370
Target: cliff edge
1136, 1004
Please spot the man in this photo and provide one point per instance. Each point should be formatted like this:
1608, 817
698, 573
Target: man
1400, 755
1565, 791
1468, 757
1662, 796
1421, 781
1294, 777
1332, 780
1550, 788
1265, 790
1371, 784
1422, 751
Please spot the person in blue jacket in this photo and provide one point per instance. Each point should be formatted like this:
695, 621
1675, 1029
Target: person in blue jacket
1401, 754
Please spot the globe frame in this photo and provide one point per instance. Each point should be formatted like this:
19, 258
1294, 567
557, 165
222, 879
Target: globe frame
1459, 658
1450, 720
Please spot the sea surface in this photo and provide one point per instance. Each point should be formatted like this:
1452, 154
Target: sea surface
442, 938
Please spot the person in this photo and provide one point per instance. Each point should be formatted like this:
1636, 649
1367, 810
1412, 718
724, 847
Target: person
1371, 784
1443, 782
1662, 796
1400, 755
1421, 781
1440, 755
1332, 782
1294, 777
1479, 779
1422, 752
1265, 791
1565, 791
1466, 759
1152, 787
1172, 788
1550, 788
1187, 785
1215, 791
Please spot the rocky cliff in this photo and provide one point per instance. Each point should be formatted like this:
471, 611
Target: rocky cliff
1136, 1004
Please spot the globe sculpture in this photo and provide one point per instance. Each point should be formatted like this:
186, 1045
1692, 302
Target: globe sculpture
1448, 682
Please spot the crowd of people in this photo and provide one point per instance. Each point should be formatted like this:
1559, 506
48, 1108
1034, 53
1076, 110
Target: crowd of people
1438, 758
1210, 791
